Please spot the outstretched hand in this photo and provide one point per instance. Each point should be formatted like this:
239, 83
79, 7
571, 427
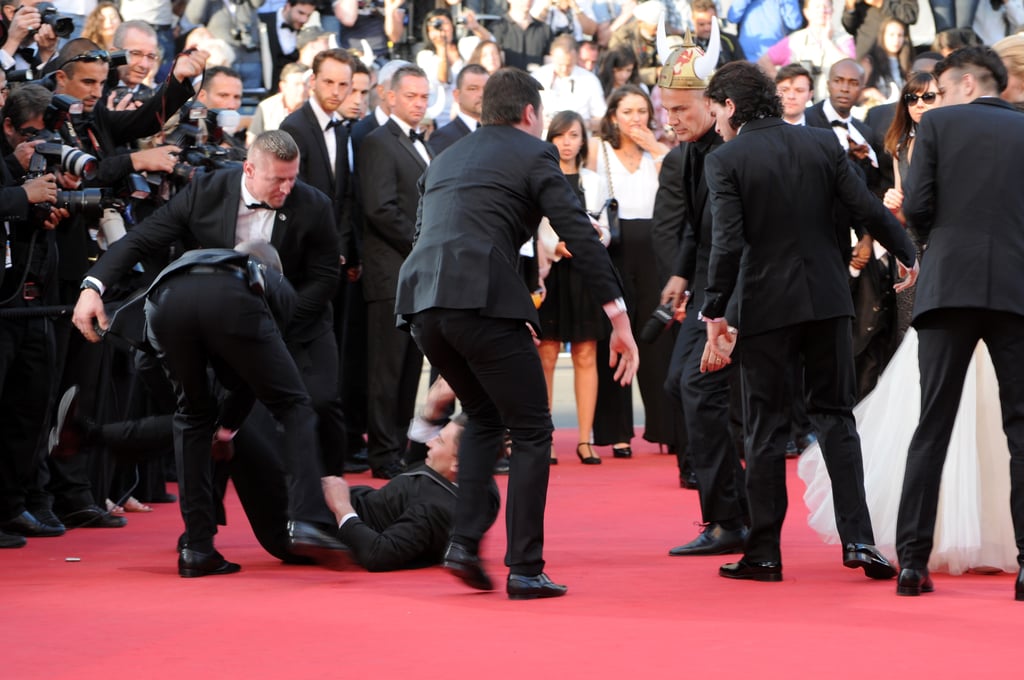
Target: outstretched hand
908, 277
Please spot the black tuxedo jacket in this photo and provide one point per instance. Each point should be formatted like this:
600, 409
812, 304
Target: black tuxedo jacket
278, 58
448, 135
389, 168
773, 191
475, 215
875, 177
315, 168
204, 215
973, 227
361, 129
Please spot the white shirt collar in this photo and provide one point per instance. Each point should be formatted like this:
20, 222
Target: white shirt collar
402, 124
379, 114
322, 117
247, 198
470, 123
831, 114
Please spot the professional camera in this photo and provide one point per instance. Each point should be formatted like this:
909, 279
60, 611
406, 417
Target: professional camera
123, 91
437, 23
199, 134
63, 26
662, 317
243, 36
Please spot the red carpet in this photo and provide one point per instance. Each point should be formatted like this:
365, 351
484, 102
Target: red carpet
632, 612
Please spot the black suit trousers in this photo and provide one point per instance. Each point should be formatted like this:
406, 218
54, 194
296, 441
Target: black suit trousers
830, 383
394, 364
494, 368
200, 320
947, 339
706, 403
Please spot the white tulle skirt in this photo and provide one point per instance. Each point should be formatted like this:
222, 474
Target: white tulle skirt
973, 529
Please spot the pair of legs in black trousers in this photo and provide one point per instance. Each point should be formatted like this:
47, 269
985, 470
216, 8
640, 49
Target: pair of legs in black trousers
706, 400
198, 321
825, 347
494, 368
947, 339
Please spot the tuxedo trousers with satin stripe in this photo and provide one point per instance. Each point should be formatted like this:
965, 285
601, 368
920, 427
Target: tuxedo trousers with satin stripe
495, 370
766, 359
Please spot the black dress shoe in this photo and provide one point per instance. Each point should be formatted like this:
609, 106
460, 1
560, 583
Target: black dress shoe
914, 582
521, 587
624, 452
46, 517
466, 565
93, 518
856, 555
11, 541
306, 540
26, 524
752, 571
688, 480
1018, 591
714, 540
192, 563
360, 455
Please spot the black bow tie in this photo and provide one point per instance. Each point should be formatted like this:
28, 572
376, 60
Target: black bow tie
841, 123
262, 205
287, 27
333, 123
417, 136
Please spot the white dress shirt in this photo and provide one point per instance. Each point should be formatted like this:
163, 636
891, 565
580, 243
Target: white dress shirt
420, 147
253, 224
286, 37
831, 114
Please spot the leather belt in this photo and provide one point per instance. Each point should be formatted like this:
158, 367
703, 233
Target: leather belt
230, 269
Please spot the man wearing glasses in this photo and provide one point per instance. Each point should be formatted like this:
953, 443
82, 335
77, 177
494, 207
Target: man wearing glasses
139, 42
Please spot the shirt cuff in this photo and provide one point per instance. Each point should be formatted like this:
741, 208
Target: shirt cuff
422, 430
347, 517
98, 283
614, 308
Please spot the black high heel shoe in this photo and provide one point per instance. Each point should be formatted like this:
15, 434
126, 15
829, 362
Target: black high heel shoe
624, 452
592, 459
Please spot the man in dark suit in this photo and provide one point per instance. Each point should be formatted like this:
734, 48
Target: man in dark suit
380, 113
466, 303
469, 93
322, 139
390, 162
262, 201
705, 398
973, 224
278, 34
773, 230
406, 523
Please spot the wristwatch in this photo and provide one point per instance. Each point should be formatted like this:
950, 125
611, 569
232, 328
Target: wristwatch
91, 285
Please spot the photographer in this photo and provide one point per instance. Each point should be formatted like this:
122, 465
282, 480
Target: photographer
26, 344
138, 40
439, 58
31, 42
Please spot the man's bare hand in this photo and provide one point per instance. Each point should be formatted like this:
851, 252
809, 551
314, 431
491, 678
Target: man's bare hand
439, 397
54, 218
862, 253
719, 347
675, 293
337, 496
26, 19
624, 354
88, 311
157, 159
908, 277
190, 65
41, 189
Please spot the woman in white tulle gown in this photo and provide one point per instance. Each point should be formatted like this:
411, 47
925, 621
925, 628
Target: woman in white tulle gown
974, 529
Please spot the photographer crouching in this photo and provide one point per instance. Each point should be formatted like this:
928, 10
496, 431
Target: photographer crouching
26, 341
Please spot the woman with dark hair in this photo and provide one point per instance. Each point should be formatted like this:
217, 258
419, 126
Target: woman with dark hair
920, 94
439, 58
887, 63
629, 158
618, 68
569, 313
101, 24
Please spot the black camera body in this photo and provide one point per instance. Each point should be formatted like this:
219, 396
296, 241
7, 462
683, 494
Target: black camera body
63, 26
659, 321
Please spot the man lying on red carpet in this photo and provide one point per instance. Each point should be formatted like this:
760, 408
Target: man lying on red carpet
406, 523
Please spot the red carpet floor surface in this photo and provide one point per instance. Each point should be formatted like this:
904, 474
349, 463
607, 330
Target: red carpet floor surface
121, 611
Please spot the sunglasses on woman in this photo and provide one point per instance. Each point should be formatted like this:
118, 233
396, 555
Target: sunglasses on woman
927, 98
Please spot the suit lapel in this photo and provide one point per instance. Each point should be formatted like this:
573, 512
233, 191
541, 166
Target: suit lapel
318, 135
406, 143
